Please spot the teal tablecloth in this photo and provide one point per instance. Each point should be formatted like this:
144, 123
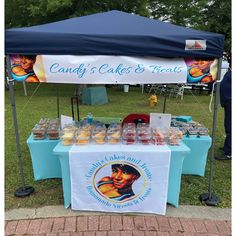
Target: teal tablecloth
178, 154
195, 161
45, 164
51, 160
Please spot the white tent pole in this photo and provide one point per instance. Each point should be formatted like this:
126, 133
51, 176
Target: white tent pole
23, 190
209, 198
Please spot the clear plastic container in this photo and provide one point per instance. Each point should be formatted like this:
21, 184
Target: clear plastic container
82, 140
114, 132
99, 131
176, 131
113, 137
192, 131
142, 126
184, 130
174, 136
114, 127
129, 136
67, 137
200, 131
55, 121
144, 135
145, 140
112, 140
159, 136
99, 125
53, 132
86, 126
83, 132
203, 131
69, 128
129, 126
173, 140
82, 137
43, 121
128, 140
39, 132
99, 136
99, 140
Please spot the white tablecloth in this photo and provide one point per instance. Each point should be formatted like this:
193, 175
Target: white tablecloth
92, 168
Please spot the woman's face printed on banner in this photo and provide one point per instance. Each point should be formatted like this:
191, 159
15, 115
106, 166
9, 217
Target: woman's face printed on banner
119, 185
122, 178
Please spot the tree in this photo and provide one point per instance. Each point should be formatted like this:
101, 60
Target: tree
213, 16
180, 12
16, 13
45, 11
217, 17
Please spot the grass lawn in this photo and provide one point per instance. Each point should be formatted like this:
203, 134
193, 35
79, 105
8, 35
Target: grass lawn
42, 103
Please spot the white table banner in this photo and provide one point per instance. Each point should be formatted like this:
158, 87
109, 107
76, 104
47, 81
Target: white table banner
119, 178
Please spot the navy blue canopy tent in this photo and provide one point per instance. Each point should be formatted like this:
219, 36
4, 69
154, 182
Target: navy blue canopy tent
111, 33
114, 33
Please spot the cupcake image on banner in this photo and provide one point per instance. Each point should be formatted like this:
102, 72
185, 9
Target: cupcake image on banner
201, 70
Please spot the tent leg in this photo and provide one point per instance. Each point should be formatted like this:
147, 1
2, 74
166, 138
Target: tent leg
58, 103
76, 99
22, 191
164, 105
209, 198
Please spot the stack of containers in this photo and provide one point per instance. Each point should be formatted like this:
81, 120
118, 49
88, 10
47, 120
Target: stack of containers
198, 129
43, 122
170, 136
114, 133
99, 134
174, 136
39, 132
159, 136
144, 134
67, 135
129, 133
46, 128
190, 128
82, 136
53, 129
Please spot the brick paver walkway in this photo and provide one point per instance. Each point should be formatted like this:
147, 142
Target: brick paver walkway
118, 225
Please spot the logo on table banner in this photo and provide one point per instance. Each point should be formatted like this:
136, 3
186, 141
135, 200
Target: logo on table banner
195, 44
119, 181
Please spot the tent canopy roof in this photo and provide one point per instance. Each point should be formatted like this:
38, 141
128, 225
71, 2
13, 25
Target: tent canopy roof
111, 33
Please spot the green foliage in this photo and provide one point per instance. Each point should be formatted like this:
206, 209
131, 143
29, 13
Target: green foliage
45, 11
213, 16
217, 18
17, 13
180, 12
43, 104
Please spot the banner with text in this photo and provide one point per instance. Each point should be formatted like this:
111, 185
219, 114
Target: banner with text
120, 181
111, 69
